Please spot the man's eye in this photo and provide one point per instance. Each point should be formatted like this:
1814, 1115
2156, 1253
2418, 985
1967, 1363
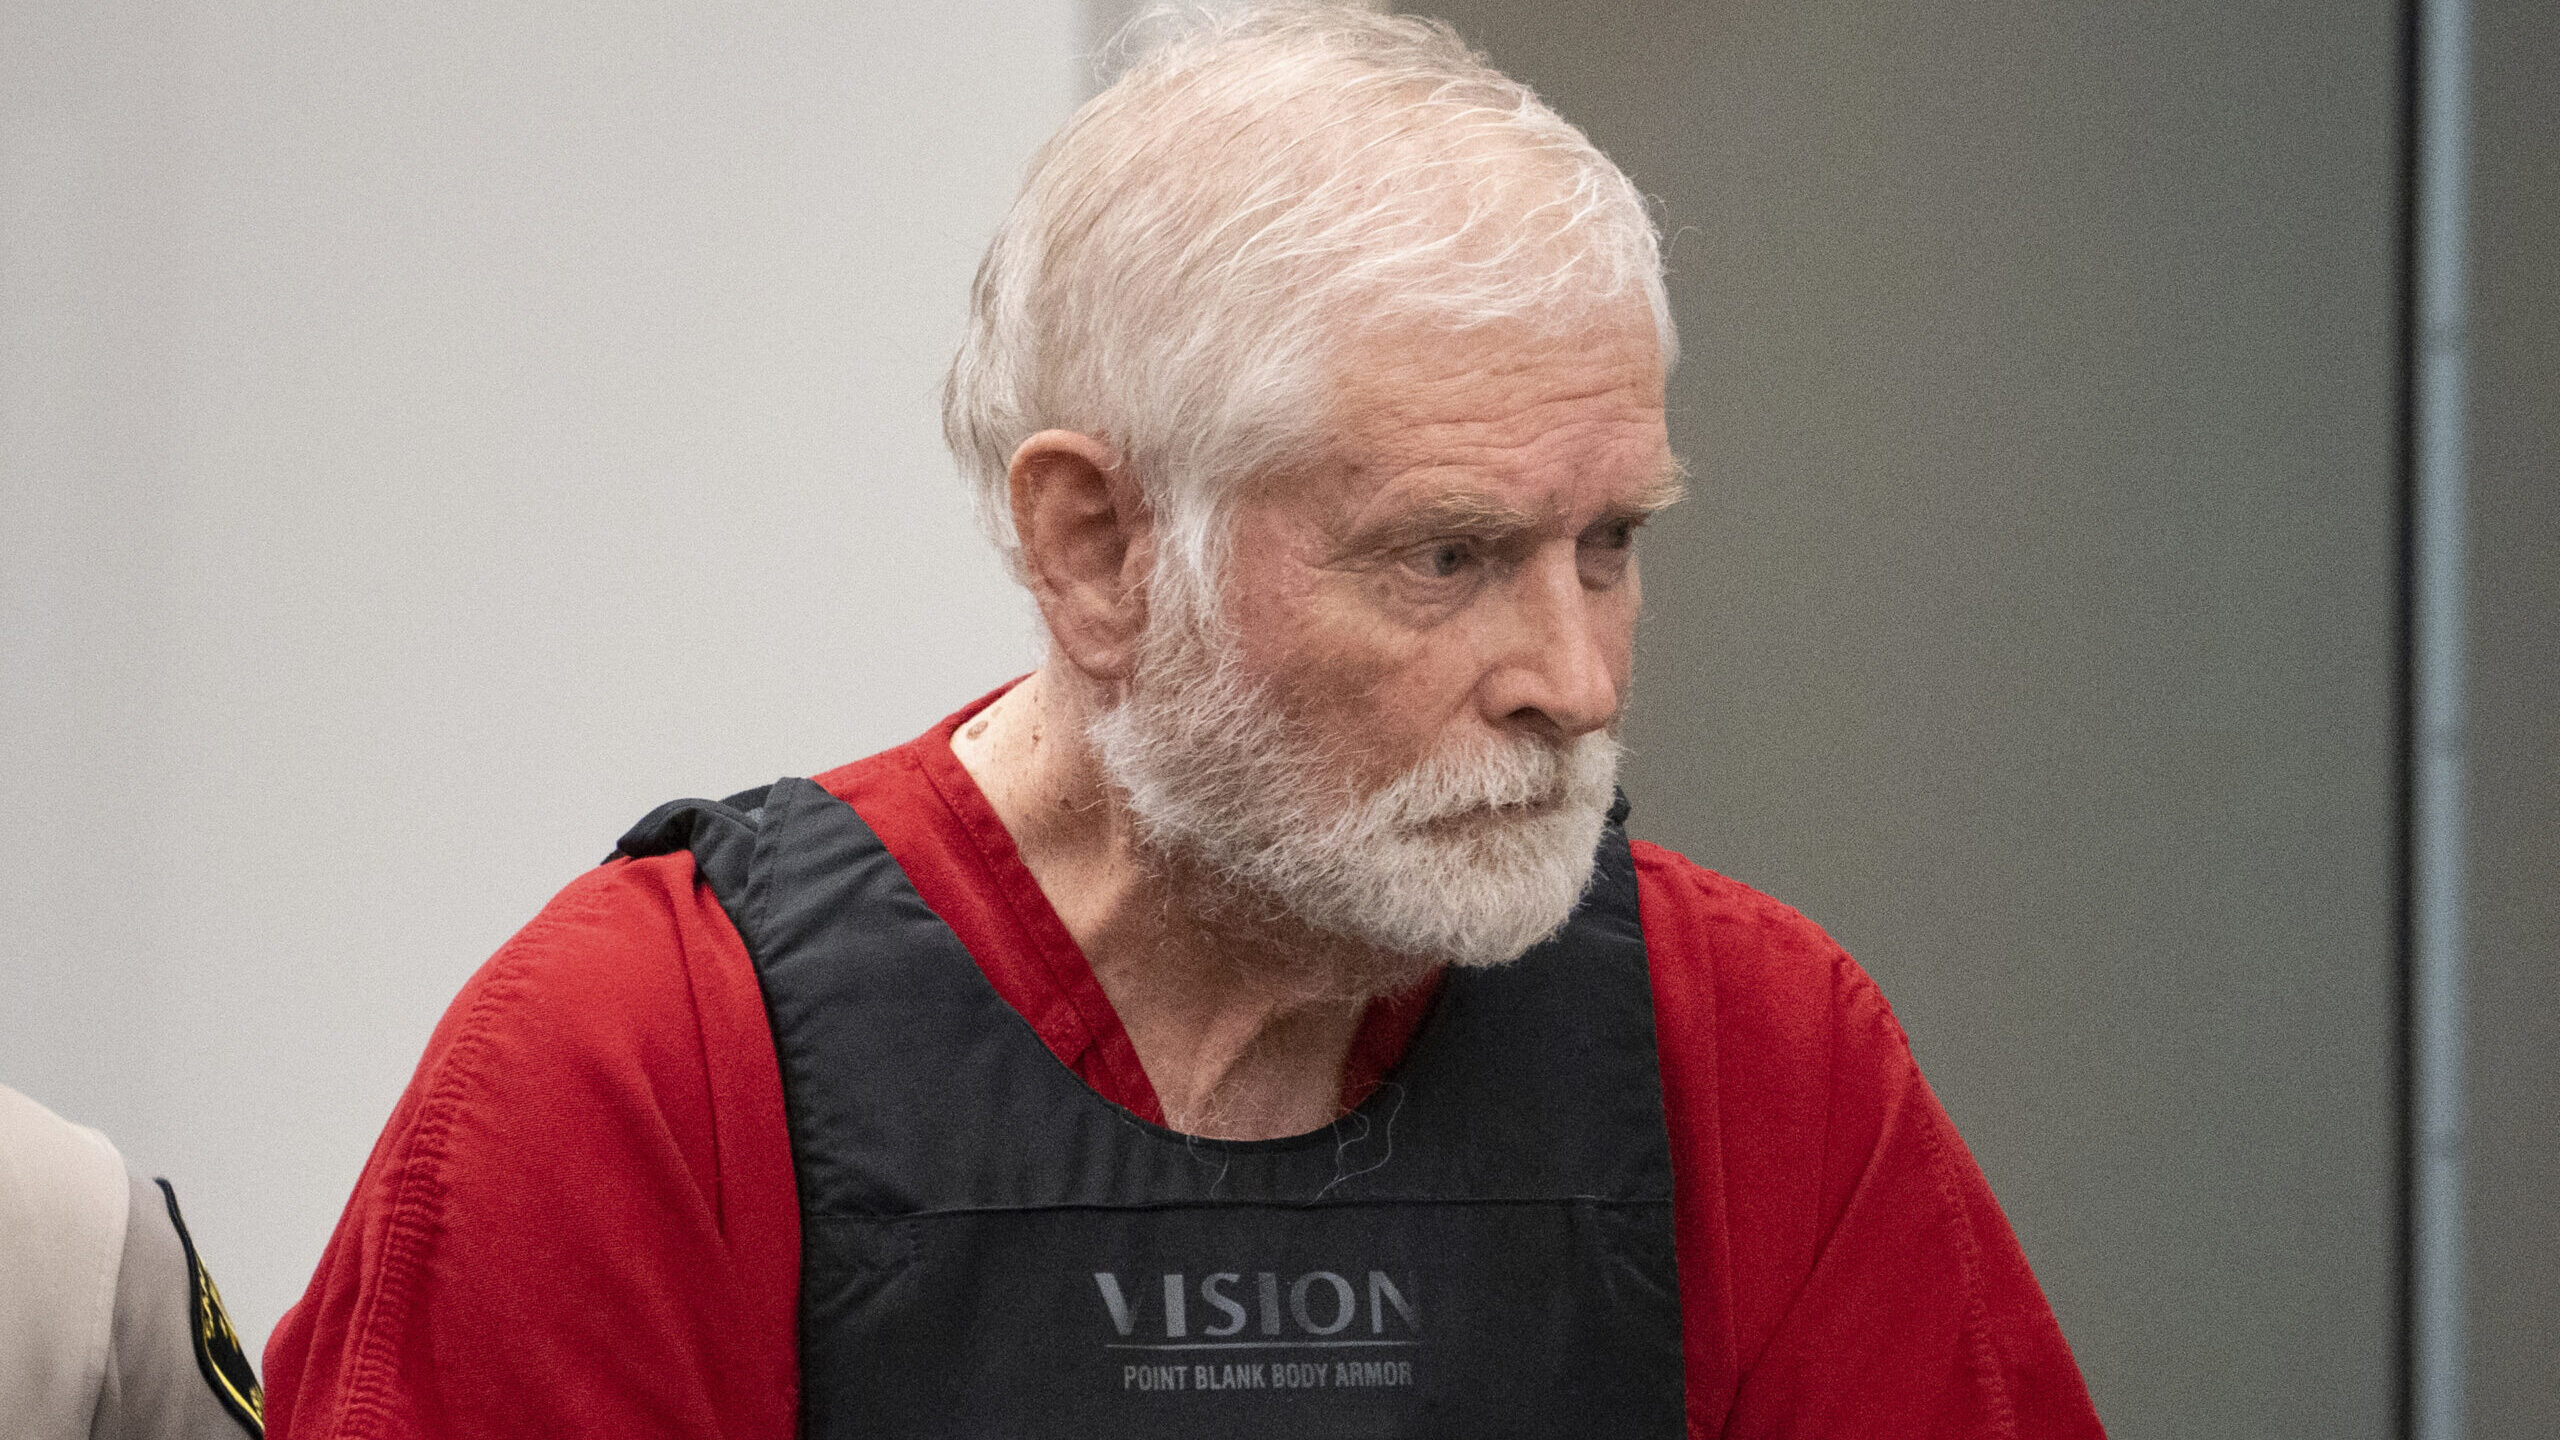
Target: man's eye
1616, 536
1443, 558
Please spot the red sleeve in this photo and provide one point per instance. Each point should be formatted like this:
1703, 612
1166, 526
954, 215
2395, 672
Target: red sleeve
581, 1218
1844, 1268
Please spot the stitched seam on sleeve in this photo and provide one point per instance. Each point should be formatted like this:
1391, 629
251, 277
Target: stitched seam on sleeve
417, 1203
1980, 1354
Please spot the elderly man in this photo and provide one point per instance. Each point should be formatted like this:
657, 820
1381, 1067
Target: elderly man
1255, 1022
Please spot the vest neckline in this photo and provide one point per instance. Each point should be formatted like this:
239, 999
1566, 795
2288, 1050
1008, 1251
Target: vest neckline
944, 833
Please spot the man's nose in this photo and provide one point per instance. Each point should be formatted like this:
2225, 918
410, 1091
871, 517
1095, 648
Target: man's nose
1561, 654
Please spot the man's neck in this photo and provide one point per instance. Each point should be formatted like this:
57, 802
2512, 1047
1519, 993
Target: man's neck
1235, 1041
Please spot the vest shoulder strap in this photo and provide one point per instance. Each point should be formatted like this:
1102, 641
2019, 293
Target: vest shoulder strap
720, 833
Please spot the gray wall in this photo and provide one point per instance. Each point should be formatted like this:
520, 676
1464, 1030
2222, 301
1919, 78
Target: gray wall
429, 436
2032, 626
2514, 1221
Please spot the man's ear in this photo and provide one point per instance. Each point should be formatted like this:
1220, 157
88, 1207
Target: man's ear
1088, 543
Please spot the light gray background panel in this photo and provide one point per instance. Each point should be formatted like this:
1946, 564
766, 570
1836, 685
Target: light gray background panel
429, 437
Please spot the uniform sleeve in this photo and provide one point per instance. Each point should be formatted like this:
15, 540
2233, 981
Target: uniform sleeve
156, 1386
1846, 1271
63, 1199
580, 1219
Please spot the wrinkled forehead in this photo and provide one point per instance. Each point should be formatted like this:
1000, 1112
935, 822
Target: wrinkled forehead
1543, 417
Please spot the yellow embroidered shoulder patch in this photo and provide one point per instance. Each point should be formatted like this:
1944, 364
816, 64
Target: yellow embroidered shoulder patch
226, 1367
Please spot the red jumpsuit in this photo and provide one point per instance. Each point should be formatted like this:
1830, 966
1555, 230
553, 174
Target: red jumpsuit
581, 1218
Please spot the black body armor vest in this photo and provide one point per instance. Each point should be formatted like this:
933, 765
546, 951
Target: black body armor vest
990, 1249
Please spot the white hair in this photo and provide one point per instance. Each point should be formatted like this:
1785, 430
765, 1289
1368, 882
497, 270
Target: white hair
1192, 254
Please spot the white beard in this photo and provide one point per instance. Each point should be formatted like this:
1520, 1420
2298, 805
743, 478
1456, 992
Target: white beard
1472, 856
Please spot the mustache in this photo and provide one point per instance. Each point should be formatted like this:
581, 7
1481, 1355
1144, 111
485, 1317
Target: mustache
1522, 774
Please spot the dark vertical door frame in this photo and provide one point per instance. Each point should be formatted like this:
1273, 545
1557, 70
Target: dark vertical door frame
2435, 138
